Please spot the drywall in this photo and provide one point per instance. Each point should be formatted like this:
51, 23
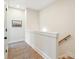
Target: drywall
59, 17
15, 33
44, 43
32, 20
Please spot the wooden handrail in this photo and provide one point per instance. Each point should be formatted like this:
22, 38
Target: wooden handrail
65, 38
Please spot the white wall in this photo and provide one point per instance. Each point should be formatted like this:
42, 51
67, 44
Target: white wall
15, 33
59, 17
32, 20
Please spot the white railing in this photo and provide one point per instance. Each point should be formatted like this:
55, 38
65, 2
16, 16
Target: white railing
44, 43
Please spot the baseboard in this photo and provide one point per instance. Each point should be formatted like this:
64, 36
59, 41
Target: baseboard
39, 51
15, 41
36, 49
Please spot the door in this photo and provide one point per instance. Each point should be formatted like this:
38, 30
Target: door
5, 33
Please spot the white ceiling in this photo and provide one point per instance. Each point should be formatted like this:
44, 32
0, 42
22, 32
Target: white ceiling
33, 4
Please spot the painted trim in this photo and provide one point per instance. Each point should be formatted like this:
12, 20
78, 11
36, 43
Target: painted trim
12, 42
39, 51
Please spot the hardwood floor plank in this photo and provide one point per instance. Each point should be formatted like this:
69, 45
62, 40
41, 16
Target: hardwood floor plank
22, 50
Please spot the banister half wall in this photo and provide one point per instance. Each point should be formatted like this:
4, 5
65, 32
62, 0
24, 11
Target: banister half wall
44, 43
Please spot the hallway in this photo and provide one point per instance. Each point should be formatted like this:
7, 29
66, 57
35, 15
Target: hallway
42, 24
21, 50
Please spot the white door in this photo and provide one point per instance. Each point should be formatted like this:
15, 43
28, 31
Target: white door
5, 34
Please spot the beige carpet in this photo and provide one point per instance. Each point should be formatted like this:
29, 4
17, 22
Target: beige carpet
21, 50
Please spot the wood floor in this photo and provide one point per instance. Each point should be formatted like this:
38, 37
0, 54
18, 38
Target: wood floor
21, 50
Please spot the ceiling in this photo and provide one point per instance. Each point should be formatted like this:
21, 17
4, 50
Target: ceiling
33, 4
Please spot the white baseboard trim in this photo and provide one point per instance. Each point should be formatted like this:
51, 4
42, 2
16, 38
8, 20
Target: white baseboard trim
15, 41
39, 51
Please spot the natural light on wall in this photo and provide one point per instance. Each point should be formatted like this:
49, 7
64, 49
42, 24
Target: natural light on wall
44, 29
18, 6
